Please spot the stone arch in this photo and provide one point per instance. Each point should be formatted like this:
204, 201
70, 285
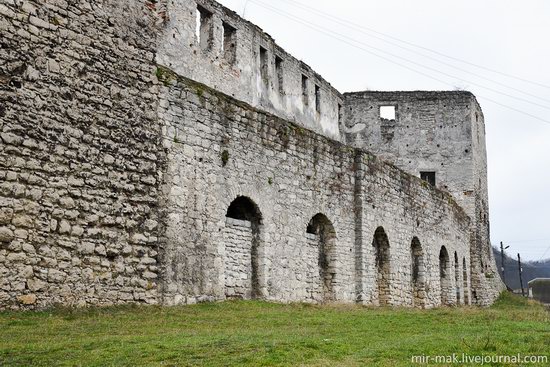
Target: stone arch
457, 280
381, 246
445, 276
322, 237
242, 240
418, 273
465, 282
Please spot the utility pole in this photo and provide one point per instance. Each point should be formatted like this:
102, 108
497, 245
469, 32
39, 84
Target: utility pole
502, 248
521, 276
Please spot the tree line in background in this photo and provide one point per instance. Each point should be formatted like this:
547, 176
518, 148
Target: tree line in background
531, 269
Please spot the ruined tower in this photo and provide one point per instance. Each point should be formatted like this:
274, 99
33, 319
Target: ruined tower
439, 137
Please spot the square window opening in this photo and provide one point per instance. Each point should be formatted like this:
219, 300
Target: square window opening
388, 112
428, 176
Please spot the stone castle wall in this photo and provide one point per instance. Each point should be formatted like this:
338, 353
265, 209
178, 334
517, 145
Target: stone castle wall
440, 132
79, 153
237, 257
221, 149
225, 55
122, 181
487, 279
432, 131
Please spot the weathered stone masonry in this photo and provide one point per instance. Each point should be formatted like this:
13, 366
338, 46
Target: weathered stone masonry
438, 132
221, 149
79, 153
249, 65
122, 181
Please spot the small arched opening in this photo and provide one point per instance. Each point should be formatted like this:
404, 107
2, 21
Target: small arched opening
445, 277
381, 246
321, 236
457, 280
465, 282
418, 273
242, 239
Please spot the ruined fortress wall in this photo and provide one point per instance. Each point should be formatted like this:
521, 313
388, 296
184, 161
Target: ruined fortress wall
487, 279
408, 209
441, 132
432, 132
79, 153
225, 54
221, 149
118, 179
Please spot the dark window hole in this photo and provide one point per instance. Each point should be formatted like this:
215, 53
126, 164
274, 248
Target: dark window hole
15, 83
428, 177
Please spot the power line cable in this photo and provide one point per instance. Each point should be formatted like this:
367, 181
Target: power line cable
531, 249
348, 23
547, 249
305, 22
545, 252
332, 35
524, 241
244, 8
352, 26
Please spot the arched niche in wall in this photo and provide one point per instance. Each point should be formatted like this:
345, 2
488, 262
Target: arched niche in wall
418, 273
465, 282
381, 246
242, 239
445, 276
322, 236
457, 280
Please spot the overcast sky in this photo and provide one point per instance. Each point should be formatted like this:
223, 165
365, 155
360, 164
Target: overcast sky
508, 36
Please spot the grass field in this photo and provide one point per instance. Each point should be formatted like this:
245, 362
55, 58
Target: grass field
257, 333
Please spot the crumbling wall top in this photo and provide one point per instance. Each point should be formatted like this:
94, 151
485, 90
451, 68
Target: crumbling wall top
211, 44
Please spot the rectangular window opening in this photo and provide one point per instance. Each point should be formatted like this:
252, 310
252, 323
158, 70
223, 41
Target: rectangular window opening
339, 114
222, 47
279, 70
263, 65
428, 176
388, 112
305, 94
198, 25
204, 28
229, 44
317, 99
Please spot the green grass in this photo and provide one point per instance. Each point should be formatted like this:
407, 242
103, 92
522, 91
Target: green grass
263, 334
